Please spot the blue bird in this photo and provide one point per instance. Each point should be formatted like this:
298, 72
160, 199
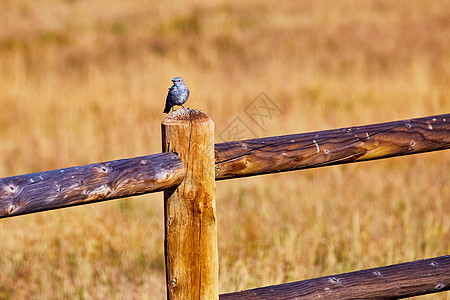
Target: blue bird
178, 94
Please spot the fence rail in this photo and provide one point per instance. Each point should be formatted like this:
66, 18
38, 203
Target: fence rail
128, 177
36, 192
187, 173
390, 282
331, 147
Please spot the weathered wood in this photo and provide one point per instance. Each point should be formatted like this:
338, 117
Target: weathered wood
330, 147
389, 282
54, 189
190, 212
95, 182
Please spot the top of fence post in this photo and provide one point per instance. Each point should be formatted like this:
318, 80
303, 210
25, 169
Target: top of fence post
190, 212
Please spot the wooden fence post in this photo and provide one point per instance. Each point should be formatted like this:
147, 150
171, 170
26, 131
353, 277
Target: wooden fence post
189, 210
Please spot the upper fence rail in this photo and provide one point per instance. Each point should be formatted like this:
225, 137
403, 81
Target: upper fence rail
128, 177
331, 147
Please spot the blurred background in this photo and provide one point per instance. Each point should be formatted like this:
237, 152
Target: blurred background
85, 81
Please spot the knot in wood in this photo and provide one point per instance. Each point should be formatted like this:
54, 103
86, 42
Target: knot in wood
10, 209
334, 280
11, 189
173, 284
190, 194
102, 169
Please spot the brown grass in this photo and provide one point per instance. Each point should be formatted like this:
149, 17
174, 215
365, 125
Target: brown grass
85, 81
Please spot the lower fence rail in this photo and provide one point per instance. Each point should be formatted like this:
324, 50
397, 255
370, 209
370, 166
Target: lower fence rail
390, 282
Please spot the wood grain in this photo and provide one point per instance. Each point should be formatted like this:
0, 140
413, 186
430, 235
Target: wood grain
190, 211
90, 183
331, 147
54, 189
389, 282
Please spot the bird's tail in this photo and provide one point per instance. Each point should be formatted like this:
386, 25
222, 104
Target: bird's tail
167, 108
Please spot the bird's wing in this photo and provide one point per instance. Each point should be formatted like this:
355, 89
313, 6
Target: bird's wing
169, 97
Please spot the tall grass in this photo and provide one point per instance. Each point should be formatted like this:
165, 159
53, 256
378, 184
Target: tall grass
85, 81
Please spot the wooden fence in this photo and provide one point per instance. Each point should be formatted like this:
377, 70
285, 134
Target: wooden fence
187, 170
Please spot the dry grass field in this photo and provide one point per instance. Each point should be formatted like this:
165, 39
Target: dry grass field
85, 81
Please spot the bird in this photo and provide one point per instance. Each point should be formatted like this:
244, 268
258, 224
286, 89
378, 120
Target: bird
178, 94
